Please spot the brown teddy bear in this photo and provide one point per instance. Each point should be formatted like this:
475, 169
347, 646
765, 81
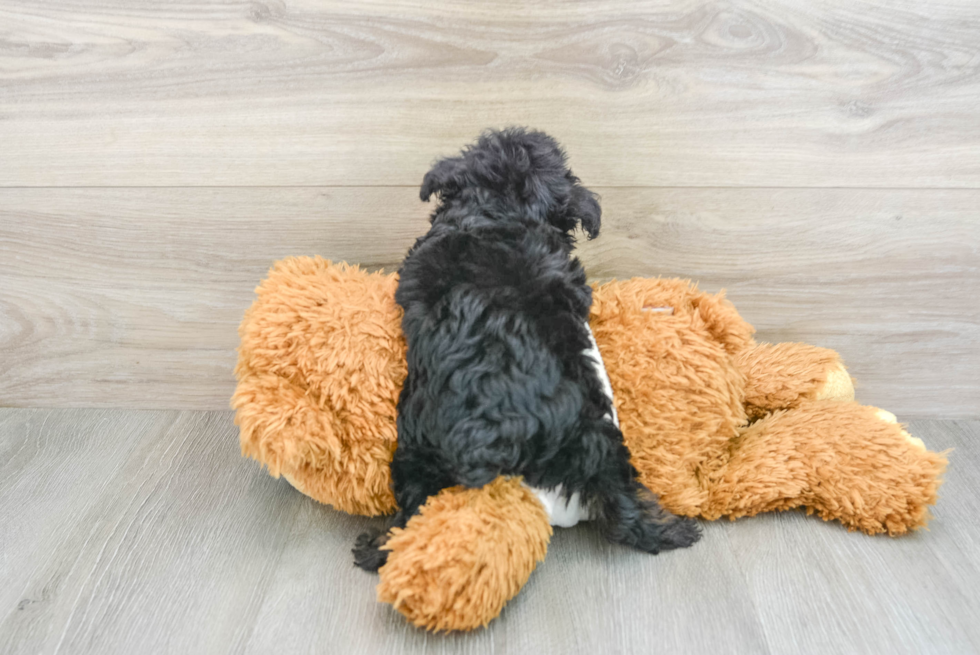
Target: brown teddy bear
717, 425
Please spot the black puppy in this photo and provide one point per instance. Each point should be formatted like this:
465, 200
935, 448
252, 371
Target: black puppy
500, 375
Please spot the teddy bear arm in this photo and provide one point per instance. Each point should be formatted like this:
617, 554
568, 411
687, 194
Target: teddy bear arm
465, 555
841, 461
783, 375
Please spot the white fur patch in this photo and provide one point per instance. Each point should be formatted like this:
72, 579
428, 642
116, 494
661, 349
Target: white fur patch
600, 368
562, 513
566, 513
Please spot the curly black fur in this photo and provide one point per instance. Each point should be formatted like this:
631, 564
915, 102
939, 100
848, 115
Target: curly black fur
495, 318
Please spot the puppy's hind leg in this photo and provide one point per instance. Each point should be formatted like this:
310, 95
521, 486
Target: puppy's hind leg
415, 476
367, 550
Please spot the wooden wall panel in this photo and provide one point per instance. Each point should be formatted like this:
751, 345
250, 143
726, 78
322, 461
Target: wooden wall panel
131, 297
643, 93
819, 159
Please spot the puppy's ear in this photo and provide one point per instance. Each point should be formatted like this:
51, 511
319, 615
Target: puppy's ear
583, 206
444, 178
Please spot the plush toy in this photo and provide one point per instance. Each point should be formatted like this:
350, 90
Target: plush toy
717, 425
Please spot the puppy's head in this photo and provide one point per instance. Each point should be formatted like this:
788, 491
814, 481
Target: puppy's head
516, 172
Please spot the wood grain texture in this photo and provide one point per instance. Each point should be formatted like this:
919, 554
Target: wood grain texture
643, 93
132, 297
818, 589
107, 291
145, 535
135, 531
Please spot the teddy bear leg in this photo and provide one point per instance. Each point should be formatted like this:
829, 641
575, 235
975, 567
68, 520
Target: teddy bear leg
842, 461
465, 555
783, 375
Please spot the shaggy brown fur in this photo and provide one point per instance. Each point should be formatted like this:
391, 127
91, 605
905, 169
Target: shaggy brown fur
717, 426
686, 382
320, 366
474, 535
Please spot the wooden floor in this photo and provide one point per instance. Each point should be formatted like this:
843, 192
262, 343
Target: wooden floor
130, 531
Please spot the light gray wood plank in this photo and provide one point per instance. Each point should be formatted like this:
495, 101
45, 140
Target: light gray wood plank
146, 532
596, 598
132, 297
956, 544
678, 93
587, 597
167, 552
820, 589
186, 548
54, 466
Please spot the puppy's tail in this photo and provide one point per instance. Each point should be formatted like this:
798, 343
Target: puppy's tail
630, 514
635, 518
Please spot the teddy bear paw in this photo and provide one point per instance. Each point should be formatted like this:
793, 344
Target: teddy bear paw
838, 386
296, 484
888, 417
